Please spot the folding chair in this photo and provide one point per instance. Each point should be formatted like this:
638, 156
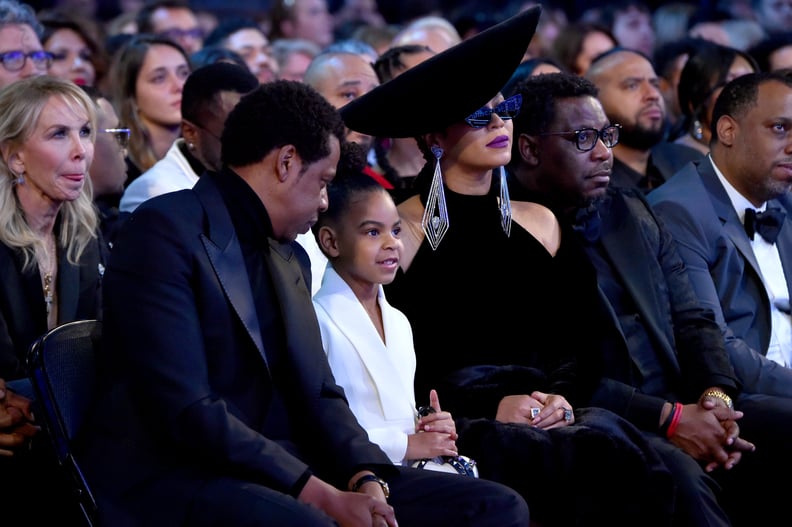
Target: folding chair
61, 366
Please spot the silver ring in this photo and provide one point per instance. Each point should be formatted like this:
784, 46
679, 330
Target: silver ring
567, 415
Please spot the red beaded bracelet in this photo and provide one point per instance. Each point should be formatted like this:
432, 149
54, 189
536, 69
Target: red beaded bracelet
677, 412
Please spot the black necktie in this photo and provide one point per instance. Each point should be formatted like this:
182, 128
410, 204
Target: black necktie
768, 223
588, 223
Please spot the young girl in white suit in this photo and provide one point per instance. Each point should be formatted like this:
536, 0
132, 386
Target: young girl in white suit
368, 342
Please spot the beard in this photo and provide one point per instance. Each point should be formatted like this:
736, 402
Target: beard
639, 137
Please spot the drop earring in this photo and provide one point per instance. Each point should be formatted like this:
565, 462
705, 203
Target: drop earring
18, 179
698, 130
504, 203
435, 217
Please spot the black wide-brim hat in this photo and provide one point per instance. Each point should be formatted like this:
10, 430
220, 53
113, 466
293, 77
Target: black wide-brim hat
445, 88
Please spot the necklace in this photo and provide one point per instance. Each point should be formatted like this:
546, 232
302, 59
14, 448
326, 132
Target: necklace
48, 261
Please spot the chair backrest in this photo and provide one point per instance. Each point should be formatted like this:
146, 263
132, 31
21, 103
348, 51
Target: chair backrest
62, 369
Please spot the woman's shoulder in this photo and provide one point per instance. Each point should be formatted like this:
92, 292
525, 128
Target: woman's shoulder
540, 222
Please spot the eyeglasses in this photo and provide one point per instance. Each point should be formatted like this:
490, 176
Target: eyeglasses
586, 139
176, 33
121, 135
506, 110
15, 60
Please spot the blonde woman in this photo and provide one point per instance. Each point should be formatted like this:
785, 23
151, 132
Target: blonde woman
49, 248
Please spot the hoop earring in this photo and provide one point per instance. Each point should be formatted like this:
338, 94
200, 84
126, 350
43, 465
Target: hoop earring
504, 203
435, 217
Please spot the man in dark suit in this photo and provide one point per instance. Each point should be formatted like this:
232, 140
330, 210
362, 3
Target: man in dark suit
744, 278
217, 405
629, 91
664, 352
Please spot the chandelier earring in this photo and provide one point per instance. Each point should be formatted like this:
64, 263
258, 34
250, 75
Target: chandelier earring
435, 218
504, 203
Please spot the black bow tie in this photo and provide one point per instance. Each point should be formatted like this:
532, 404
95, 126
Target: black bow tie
588, 223
768, 223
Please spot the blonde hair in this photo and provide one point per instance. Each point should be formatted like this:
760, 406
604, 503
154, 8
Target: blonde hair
21, 105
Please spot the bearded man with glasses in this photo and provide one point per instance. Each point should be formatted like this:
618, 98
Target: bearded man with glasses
21, 52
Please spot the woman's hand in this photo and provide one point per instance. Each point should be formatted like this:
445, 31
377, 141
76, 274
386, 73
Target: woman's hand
555, 412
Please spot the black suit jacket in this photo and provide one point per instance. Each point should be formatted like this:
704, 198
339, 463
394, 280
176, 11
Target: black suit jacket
687, 340
187, 382
23, 312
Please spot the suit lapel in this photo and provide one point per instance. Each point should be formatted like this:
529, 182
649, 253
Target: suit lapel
784, 241
387, 372
621, 236
299, 317
225, 255
728, 216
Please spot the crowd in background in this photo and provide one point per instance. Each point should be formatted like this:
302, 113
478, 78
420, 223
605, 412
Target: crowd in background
158, 78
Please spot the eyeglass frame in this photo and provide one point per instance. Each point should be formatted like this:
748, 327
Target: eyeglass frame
599, 136
512, 104
29, 55
121, 135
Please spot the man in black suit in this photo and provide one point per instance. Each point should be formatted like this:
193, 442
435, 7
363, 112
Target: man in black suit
217, 405
666, 367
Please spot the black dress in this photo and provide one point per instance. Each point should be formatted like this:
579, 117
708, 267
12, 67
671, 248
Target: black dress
493, 316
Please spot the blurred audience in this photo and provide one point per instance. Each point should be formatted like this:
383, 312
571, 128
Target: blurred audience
705, 73
293, 56
148, 75
77, 49
306, 19
21, 52
629, 91
173, 19
209, 95
108, 168
578, 43
245, 37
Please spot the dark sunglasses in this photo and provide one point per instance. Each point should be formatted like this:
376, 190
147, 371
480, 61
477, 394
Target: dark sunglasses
586, 139
506, 110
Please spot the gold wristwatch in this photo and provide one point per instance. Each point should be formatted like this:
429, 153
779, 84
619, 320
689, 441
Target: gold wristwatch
720, 395
371, 477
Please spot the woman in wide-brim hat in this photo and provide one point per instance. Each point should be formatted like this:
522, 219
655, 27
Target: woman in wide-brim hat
500, 303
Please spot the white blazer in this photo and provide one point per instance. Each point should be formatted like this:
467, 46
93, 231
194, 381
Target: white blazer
171, 173
377, 377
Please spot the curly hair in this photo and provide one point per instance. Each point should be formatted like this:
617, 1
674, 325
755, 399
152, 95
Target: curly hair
21, 105
124, 72
276, 114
